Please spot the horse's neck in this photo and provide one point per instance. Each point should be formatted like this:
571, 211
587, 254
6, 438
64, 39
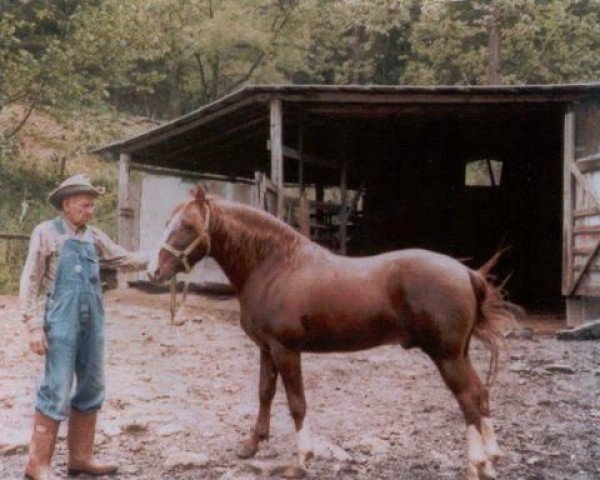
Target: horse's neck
243, 239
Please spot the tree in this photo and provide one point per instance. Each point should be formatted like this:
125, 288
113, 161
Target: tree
549, 41
357, 42
54, 57
211, 48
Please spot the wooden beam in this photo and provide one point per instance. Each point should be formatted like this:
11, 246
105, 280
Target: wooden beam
584, 268
289, 152
591, 162
13, 236
124, 223
586, 229
367, 111
300, 157
431, 96
583, 251
585, 184
276, 138
568, 201
189, 174
125, 218
586, 212
303, 208
343, 215
592, 268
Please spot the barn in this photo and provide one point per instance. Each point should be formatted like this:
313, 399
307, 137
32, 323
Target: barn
464, 170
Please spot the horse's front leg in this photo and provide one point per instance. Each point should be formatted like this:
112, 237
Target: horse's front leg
266, 392
290, 368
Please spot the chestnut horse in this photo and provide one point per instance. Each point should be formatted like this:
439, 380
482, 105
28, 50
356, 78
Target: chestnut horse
296, 296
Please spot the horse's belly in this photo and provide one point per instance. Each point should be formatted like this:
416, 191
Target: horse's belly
346, 333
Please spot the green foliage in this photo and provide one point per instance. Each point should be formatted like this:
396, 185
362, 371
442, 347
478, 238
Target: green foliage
165, 57
550, 41
204, 50
357, 41
25, 188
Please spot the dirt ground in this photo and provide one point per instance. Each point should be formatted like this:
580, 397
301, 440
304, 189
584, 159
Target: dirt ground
179, 399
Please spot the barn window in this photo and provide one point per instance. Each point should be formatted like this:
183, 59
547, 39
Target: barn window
483, 173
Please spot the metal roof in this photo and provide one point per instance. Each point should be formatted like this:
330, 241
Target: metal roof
257, 96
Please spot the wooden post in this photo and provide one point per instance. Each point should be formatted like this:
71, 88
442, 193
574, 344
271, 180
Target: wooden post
276, 137
125, 228
568, 201
258, 200
301, 158
303, 210
343, 216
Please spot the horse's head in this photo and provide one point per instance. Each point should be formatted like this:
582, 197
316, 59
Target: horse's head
186, 239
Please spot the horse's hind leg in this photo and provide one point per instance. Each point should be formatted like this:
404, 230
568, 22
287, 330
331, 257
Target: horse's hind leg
472, 396
290, 368
266, 392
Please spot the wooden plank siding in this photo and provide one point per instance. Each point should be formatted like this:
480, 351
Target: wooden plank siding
582, 200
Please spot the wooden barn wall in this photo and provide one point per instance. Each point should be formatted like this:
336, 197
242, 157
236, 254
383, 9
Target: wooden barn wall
416, 194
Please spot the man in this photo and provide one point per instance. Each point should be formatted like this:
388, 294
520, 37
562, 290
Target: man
63, 261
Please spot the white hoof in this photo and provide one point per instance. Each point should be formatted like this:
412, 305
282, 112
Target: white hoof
487, 472
472, 473
490, 443
294, 472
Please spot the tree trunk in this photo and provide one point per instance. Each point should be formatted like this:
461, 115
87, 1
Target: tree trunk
494, 67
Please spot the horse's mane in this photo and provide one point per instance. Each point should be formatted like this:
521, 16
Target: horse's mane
248, 236
257, 223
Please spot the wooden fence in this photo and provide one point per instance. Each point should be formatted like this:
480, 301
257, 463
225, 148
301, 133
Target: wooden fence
13, 252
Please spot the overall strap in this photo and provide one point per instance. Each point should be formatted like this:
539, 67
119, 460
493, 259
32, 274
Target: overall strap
58, 225
60, 228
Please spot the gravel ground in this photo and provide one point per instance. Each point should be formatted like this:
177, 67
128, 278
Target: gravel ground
180, 398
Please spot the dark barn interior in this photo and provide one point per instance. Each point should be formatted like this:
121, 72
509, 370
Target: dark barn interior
414, 169
409, 147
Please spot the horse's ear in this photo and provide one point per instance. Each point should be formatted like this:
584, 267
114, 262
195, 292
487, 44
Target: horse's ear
200, 195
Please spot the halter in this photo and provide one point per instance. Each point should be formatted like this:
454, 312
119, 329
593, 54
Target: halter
183, 255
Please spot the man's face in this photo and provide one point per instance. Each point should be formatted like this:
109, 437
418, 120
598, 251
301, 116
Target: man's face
79, 209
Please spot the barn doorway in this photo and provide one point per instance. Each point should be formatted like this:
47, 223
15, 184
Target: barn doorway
468, 182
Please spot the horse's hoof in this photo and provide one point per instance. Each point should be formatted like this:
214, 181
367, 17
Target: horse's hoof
308, 455
487, 472
495, 456
294, 471
248, 449
472, 473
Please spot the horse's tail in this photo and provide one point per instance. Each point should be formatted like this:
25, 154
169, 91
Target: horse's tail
493, 312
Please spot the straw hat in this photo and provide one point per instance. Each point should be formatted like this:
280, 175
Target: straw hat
74, 185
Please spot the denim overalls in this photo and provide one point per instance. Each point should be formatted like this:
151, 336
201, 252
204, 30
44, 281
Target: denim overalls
74, 327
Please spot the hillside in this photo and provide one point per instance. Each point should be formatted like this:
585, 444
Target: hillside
34, 161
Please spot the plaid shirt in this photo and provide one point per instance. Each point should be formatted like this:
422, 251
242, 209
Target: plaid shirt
40, 268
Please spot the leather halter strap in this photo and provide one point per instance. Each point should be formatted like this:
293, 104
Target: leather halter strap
183, 255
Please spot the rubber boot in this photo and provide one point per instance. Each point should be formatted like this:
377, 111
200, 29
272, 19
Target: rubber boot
41, 448
80, 438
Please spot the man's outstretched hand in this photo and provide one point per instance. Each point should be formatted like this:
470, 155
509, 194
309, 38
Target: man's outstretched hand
37, 341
